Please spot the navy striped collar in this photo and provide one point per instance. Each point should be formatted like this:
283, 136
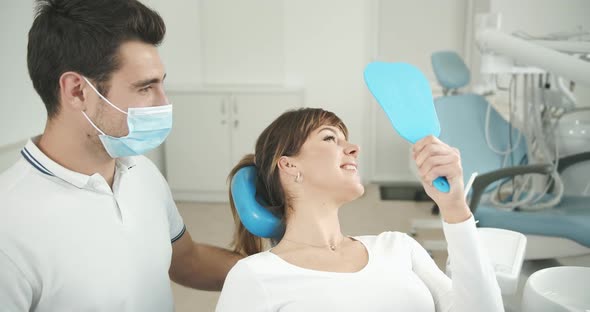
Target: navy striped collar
34, 162
34, 156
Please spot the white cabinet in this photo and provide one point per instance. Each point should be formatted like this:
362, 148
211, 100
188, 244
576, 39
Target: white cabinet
212, 131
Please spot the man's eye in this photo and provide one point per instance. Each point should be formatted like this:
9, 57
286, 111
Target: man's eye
145, 89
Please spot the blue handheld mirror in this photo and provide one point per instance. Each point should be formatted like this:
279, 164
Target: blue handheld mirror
404, 94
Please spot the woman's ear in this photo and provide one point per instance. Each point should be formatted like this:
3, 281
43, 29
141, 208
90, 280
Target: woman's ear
287, 165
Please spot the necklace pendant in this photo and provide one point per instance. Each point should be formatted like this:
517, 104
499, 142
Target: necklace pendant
333, 248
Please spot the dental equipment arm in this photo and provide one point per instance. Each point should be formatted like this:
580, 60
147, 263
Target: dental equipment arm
565, 46
528, 53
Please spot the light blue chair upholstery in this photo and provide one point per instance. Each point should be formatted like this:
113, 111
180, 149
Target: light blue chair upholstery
450, 70
462, 120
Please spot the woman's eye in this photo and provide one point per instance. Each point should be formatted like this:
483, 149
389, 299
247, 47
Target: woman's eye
330, 138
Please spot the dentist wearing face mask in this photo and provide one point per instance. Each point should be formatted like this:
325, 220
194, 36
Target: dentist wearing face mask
86, 222
147, 127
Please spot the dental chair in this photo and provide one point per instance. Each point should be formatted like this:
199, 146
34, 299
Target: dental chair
450, 71
561, 231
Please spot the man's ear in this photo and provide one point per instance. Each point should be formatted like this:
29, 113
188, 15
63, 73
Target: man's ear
72, 88
287, 165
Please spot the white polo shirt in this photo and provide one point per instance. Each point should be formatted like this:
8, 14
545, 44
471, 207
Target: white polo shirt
70, 243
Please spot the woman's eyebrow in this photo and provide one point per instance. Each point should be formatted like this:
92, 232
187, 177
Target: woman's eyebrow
329, 129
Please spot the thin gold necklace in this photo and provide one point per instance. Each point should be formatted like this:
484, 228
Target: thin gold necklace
332, 247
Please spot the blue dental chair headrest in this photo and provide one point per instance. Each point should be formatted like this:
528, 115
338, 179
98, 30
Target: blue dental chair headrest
450, 70
257, 219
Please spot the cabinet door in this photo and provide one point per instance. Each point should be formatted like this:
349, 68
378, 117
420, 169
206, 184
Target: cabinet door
252, 113
197, 150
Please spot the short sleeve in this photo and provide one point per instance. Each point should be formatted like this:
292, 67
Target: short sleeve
175, 222
16, 293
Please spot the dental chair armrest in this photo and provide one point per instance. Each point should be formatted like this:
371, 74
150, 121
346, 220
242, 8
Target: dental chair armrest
571, 160
481, 182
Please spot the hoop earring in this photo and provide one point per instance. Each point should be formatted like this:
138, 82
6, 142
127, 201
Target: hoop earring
298, 177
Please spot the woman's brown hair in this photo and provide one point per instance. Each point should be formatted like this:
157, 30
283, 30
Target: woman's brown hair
283, 137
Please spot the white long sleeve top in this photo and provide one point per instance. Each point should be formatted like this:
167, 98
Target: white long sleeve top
399, 276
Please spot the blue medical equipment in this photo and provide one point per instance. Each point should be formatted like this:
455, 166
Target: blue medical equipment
257, 219
405, 95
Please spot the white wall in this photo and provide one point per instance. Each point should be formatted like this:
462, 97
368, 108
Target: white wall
181, 49
244, 44
325, 52
410, 31
22, 113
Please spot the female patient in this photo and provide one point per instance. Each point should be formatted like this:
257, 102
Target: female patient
307, 170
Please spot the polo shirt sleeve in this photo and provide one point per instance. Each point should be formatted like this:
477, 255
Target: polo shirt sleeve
16, 293
175, 222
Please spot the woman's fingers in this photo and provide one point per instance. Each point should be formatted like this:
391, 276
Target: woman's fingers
450, 171
417, 148
429, 151
436, 161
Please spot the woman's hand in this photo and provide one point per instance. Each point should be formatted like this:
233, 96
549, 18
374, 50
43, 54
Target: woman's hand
436, 159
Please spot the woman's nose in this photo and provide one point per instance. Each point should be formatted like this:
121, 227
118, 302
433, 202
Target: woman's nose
352, 149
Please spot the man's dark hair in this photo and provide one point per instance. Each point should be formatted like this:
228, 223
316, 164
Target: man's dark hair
84, 36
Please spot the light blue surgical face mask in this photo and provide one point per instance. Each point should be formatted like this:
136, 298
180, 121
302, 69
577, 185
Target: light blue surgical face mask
148, 128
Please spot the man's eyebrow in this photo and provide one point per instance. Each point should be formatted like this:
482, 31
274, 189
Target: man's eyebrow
146, 82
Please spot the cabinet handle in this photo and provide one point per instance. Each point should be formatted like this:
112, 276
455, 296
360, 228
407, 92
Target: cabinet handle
223, 110
235, 106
